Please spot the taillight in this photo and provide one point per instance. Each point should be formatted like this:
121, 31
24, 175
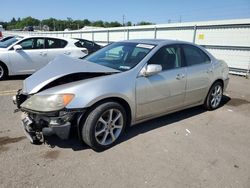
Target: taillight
1, 35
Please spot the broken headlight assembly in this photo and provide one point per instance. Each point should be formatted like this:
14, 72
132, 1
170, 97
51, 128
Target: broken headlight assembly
47, 103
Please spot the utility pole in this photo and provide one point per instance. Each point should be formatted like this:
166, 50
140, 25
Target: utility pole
123, 24
54, 25
180, 18
123, 20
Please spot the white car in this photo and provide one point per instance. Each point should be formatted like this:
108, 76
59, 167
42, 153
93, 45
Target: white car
32, 53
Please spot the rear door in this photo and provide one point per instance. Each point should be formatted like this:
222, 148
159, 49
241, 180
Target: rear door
31, 58
199, 72
56, 47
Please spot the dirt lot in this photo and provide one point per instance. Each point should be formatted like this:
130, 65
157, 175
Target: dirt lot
192, 148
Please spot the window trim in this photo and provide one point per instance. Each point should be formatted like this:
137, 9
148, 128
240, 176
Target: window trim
47, 44
200, 50
19, 42
183, 61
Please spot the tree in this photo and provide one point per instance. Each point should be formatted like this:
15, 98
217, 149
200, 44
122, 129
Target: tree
60, 25
145, 23
98, 23
13, 21
113, 24
29, 21
86, 22
129, 23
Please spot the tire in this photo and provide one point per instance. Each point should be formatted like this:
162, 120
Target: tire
104, 125
3, 71
214, 96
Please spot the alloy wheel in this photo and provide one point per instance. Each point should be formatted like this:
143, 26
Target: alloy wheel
109, 127
216, 96
1, 72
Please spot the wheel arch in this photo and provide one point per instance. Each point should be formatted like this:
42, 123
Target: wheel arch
119, 100
218, 80
82, 118
5, 66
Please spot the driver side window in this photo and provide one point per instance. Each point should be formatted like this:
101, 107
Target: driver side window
169, 57
33, 43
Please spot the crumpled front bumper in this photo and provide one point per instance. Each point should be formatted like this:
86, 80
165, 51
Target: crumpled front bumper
37, 126
37, 129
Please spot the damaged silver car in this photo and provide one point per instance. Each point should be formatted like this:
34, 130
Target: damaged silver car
120, 85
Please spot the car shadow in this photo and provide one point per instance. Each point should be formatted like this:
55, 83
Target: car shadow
19, 77
75, 144
167, 120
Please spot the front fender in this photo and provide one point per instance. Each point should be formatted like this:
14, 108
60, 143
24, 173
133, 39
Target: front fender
4, 58
90, 91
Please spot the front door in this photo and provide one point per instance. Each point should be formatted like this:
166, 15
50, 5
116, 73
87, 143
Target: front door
30, 58
165, 91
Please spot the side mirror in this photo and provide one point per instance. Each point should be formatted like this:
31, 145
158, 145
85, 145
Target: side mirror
18, 47
151, 69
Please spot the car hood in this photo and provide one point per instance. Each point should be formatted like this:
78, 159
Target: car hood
61, 67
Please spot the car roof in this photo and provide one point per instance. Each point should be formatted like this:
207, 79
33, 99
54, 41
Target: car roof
61, 38
157, 41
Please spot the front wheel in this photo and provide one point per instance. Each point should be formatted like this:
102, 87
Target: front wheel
104, 125
214, 96
3, 71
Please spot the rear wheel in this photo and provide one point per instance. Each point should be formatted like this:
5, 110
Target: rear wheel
3, 71
104, 126
214, 96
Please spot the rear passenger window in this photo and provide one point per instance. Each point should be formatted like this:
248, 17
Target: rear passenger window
194, 55
56, 43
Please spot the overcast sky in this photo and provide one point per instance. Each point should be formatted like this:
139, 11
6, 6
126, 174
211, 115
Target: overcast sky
156, 11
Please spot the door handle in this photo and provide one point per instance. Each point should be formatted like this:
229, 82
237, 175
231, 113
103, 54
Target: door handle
43, 53
67, 53
180, 76
210, 70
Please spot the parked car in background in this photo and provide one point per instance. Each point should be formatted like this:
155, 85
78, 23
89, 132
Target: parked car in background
1, 30
7, 41
32, 53
28, 28
91, 46
120, 85
9, 37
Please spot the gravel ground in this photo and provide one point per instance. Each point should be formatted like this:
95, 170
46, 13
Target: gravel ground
191, 148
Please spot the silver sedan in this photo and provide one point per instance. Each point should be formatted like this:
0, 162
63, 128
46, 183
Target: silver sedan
120, 85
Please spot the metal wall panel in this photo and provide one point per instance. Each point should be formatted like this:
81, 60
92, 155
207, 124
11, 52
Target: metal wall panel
238, 59
225, 39
117, 36
185, 35
223, 36
146, 34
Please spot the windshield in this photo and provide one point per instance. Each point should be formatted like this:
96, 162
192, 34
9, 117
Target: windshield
121, 56
7, 43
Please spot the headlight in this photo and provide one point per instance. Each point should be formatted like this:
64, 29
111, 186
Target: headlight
47, 103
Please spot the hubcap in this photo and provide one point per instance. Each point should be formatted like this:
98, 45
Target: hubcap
109, 126
216, 96
1, 71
